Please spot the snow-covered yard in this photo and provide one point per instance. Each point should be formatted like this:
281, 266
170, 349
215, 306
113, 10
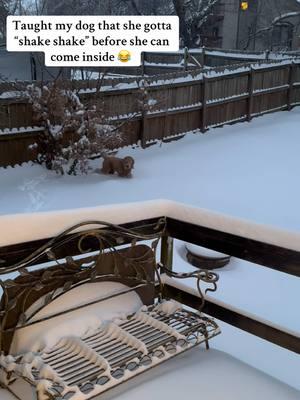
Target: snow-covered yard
246, 170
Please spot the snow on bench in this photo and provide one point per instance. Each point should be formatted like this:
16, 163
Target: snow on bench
53, 337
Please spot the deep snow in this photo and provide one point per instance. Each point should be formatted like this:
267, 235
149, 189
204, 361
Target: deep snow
245, 170
213, 375
198, 374
47, 334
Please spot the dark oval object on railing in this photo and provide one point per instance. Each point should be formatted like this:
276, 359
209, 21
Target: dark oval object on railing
213, 260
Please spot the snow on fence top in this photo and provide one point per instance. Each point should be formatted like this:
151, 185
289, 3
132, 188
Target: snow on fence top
20, 228
129, 83
174, 78
233, 53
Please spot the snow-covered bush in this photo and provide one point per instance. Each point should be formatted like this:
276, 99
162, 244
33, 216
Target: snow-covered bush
73, 132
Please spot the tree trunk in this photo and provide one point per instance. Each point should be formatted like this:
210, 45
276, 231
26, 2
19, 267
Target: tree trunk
180, 11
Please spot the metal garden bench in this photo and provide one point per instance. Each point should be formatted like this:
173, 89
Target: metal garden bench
82, 367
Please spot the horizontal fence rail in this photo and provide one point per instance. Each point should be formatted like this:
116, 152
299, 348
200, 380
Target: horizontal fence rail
186, 101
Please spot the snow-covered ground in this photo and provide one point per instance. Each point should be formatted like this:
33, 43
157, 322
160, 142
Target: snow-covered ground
246, 170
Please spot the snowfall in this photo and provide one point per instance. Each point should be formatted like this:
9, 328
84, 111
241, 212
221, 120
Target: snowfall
230, 175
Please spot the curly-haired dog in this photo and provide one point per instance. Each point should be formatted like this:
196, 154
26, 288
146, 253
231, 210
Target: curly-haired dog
122, 166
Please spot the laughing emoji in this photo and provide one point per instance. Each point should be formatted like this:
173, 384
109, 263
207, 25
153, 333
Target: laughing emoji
124, 56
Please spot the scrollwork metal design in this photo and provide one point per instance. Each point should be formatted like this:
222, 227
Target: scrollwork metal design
101, 251
204, 276
105, 233
66, 272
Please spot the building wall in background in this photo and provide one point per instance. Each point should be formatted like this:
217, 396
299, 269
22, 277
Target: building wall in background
27, 66
254, 29
15, 65
230, 24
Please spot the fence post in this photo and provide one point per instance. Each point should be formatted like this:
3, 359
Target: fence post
291, 85
185, 58
203, 105
203, 56
250, 93
9, 116
143, 63
142, 131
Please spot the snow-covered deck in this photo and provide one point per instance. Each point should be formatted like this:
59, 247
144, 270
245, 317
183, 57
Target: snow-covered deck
211, 375
263, 294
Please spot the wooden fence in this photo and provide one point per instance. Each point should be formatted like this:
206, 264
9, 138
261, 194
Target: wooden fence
208, 57
154, 63
182, 102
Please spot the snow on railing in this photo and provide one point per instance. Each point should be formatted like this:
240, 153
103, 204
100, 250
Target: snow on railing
48, 224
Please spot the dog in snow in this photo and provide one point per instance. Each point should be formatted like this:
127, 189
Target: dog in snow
121, 166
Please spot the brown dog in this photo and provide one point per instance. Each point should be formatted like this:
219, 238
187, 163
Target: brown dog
122, 166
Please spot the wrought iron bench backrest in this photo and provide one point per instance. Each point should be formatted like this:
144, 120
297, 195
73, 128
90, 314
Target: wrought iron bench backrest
134, 266
98, 358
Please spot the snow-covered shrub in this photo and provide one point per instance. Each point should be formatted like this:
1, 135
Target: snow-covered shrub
73, 132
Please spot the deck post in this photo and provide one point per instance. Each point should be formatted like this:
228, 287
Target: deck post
166, 254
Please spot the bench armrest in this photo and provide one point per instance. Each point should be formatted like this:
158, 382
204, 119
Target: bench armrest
205, 276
